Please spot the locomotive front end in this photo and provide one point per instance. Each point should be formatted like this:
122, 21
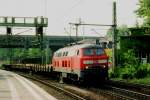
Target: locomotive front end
94, 64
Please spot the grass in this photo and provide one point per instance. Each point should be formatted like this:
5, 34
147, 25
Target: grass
145, 80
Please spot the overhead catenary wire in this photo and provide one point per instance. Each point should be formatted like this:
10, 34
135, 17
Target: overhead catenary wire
96, 32
70, 38
69, 10
23, 31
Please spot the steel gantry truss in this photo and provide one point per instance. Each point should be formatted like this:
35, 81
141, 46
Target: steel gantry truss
37, 22
23, 21
10, 22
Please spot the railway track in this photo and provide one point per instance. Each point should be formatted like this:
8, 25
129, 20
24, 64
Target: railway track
109, 91
128, 94
126, 90
145, 89
116, 93
93, 95
120, 93
56, 87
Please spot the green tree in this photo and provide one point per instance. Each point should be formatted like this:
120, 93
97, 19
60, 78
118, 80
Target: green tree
121, 30
32, 52
144, 8
144, 11
3, 53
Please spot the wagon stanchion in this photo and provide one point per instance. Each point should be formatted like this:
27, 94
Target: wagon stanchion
30, 71
61, 78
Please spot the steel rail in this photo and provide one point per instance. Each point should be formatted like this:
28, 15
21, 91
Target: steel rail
142, 88
130, 84
129, 93
73, 95
114, 95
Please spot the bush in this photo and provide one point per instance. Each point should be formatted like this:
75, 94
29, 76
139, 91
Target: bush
143, 71
114, 74
131, 68
128, 72
131, 71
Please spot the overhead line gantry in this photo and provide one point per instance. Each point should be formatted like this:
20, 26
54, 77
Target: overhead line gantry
37, 22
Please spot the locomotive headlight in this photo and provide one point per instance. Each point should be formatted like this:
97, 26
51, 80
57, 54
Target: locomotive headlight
104, 66
103, 61
86, 67
87, 62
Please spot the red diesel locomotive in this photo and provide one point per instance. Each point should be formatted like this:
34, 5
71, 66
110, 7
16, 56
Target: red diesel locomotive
81, 62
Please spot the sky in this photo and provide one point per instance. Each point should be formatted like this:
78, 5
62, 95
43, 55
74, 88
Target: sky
61, 12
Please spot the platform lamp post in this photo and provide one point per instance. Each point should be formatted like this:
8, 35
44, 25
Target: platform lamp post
114, 35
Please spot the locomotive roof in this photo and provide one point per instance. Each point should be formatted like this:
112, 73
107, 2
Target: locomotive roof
79, 46
86, 46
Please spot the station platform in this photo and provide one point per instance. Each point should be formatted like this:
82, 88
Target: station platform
16, 87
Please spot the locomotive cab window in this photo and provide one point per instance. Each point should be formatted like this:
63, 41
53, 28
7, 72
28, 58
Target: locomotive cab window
77, 52
99, 51
66, 53
88, 52
93, 51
